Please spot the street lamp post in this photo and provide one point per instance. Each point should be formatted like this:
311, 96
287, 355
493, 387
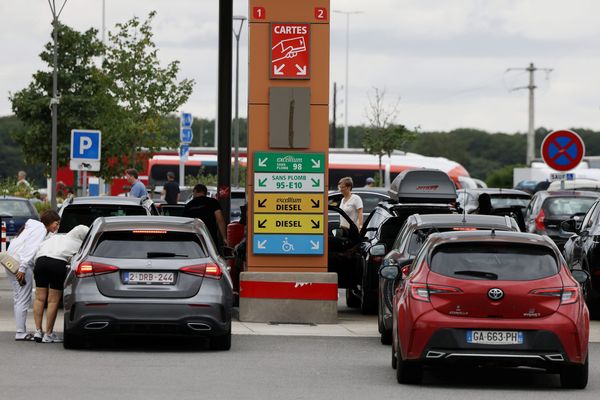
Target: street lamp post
347, 64
54, 101
236, 136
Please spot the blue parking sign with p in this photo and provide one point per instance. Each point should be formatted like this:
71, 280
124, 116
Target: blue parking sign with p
85, 144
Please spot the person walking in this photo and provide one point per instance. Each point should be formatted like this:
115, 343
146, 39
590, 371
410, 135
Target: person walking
138, 189
351, 204
50, 271
23, 248
209, 211
170, 190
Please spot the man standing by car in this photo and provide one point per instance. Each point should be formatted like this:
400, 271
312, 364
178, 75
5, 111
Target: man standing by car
138, 189
170, 190
209, 211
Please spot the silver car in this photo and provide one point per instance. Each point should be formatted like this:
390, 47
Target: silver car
148, 275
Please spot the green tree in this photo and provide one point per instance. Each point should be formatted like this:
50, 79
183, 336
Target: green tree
503, 177
145, 92
84, 101
383, 135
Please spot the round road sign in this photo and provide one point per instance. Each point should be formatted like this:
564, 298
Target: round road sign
562, 150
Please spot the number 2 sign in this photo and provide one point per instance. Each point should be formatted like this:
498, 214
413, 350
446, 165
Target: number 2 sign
320, 13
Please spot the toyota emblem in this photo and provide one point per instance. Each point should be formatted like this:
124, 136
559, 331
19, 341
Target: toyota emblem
495, 294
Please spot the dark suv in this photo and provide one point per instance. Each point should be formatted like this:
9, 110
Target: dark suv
582, 251
422, 191
409, 241
84, 210
548, 209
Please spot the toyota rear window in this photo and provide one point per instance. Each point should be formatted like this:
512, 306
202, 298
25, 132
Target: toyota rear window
149, 244
494, 261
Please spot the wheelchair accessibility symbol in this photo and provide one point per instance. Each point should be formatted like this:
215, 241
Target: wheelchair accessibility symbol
287, 246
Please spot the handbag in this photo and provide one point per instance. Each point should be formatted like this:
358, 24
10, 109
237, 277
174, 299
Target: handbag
9, 262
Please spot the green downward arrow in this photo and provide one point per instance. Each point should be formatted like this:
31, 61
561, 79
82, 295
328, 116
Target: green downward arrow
315, 182
262, 182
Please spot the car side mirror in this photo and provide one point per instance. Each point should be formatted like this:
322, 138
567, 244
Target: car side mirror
568, 227
580, 276
228, 253
377, 250
389, 270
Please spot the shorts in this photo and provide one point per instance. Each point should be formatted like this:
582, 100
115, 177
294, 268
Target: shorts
50, 273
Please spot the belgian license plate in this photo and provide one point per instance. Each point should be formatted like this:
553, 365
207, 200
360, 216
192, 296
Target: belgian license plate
495, 337
148, 278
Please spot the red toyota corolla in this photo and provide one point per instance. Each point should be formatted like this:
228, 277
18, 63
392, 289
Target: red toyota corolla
490, 298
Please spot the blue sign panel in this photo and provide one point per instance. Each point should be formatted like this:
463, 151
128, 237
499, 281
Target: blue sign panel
186, 135
186, 120
85, 144
184, 151
288, 244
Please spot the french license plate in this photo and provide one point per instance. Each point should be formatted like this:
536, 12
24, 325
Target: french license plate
148, 278
495, 337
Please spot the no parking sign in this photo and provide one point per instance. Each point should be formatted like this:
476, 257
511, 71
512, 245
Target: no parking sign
563, 150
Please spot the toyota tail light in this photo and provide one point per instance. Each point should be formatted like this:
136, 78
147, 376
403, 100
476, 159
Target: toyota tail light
423, 292
89, 268
208, 270
567, 295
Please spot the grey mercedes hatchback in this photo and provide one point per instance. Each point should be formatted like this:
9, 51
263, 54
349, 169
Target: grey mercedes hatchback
146, 275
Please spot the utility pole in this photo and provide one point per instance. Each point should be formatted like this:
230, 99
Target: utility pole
54, 101
531, 127
332, 141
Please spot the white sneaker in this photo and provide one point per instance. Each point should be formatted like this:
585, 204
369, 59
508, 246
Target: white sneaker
52, 338
38, 335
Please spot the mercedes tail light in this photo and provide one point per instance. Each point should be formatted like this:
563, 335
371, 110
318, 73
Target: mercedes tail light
539, 221
208, 270
89, 268
567, 295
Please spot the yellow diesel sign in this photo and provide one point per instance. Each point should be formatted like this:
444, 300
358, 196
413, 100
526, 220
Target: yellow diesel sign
288, 223
288, 203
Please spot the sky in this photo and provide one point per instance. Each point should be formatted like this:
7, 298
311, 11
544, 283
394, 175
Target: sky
446, 64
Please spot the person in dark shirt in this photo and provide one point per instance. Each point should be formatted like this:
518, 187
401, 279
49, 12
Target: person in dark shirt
209, 211
170, 190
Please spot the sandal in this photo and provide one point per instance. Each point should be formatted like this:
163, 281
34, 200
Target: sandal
27, 338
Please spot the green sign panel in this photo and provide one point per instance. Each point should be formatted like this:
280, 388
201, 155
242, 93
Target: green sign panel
289, 162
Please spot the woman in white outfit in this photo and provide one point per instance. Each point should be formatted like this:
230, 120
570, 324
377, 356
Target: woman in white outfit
351, 204
23, 248
50, 271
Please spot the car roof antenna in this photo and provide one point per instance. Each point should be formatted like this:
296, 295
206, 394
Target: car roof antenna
464, 220
493, 234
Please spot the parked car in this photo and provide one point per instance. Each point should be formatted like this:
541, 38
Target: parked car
548, 209
15, 211
411, 237
148, 275
576, 184
84, 210
582, 251
422, 191
501, 198
490, 298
